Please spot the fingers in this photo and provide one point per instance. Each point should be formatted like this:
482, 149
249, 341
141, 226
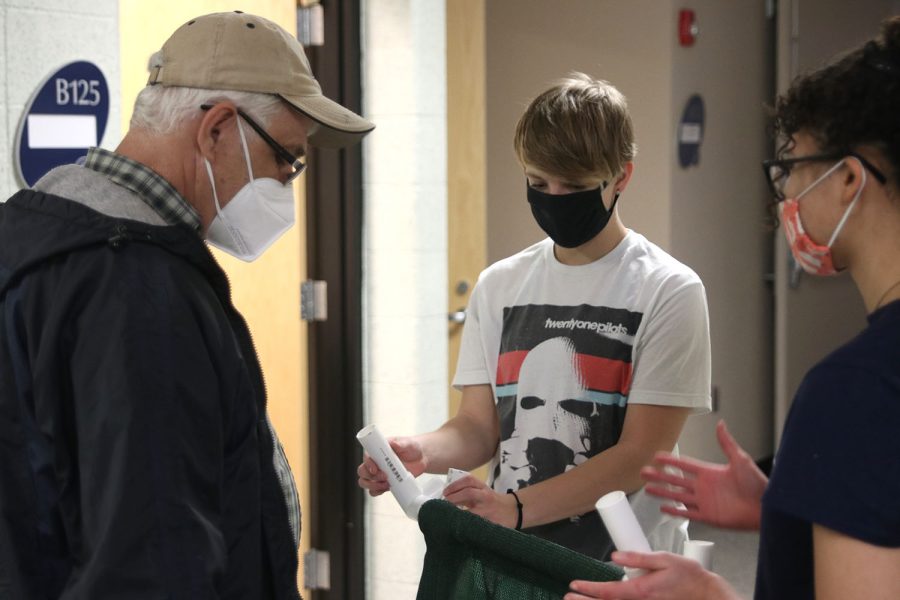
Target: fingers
370, 471
371, 478
483, 501
597, 590
649, 561
469, 481
685, 497
373, 490
622, 590
467, 492
690, 466
690, 512
654, 475
688, 509
406, 448
399, 444
729, 445
368, 466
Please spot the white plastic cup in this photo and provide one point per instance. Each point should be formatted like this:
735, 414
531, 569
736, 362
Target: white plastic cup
701, 551
403, 485
623, 526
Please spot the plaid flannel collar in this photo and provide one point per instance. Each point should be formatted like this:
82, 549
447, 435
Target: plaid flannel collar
147, 184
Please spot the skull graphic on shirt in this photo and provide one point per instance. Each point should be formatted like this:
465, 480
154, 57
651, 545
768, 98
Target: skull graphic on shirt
552, 417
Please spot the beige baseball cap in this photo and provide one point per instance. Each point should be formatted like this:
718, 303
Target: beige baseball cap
242, 52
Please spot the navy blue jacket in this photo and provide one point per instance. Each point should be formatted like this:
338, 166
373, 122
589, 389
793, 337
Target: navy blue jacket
135, 457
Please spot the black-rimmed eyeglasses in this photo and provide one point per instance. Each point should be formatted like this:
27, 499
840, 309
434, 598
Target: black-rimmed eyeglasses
778, 170
280, 151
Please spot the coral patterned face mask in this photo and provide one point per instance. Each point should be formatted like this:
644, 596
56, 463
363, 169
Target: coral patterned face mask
814, 258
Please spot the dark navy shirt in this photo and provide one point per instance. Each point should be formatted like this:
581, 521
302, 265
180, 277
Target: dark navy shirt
839, 460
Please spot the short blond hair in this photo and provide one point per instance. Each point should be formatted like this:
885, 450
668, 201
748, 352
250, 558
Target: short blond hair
579, 127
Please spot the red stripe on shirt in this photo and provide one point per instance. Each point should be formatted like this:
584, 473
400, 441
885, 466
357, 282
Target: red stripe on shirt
604, 374
599, 374
508, 366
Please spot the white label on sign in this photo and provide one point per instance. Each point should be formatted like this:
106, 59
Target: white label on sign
62, 131
690, 133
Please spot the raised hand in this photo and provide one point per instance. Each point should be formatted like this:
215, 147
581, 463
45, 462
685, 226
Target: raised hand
726, 495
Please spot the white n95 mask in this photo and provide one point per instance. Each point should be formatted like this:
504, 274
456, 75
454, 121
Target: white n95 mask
256, 216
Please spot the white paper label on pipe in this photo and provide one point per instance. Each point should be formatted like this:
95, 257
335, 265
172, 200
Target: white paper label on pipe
62, 131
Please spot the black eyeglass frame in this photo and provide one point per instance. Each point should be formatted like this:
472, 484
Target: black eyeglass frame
298, 165
786, 164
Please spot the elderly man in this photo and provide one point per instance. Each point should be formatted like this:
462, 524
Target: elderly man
137, 457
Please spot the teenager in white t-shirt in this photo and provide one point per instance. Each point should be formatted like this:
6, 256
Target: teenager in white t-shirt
583, 355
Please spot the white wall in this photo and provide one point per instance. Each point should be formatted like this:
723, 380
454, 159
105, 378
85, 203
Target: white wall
405, 187
718, 212
39, 36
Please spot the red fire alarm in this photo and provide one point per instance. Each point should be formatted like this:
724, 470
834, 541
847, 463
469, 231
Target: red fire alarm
687, 27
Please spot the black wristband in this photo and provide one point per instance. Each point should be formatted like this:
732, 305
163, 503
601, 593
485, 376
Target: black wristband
518, 508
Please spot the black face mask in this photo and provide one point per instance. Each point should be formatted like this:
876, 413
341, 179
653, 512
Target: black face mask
571, 219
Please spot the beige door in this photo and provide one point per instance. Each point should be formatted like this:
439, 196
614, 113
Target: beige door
466, 179
814, 315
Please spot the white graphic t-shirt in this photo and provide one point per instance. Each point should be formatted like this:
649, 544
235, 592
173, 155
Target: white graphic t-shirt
566, 349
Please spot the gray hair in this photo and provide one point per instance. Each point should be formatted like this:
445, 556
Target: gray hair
161, 109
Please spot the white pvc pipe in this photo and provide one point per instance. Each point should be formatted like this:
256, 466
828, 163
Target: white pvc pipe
403, 485
623, 526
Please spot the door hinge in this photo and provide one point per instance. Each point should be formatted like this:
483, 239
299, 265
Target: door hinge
314, 300
317, 570
311, 23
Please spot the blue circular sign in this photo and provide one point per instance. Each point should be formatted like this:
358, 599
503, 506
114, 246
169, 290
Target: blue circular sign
66, 116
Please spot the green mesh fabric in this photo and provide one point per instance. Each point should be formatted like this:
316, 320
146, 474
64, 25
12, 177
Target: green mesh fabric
469, 558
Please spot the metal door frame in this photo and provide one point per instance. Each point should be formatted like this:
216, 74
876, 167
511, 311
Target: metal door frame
334, 254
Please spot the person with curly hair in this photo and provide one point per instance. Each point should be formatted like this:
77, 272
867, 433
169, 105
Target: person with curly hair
829, 517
